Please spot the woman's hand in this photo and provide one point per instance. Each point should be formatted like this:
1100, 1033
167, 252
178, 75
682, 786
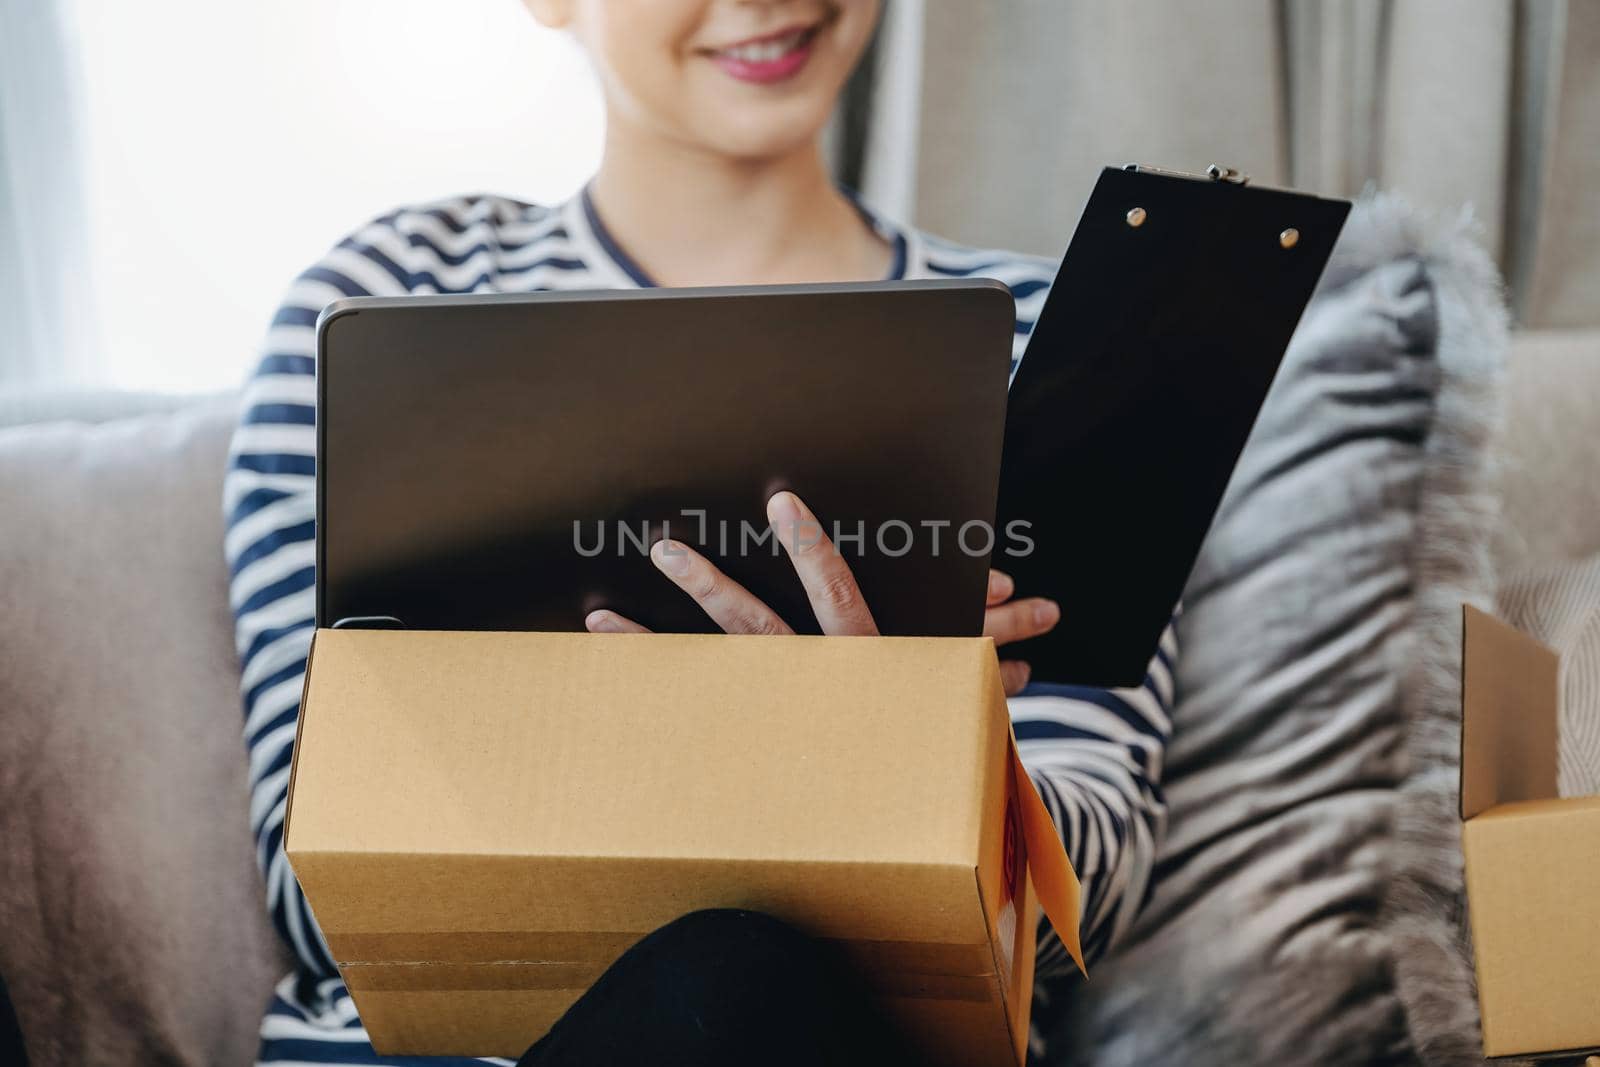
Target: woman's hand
830, 587
1008, 620
835, 598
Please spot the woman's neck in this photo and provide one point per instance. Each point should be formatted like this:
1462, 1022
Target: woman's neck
692, 217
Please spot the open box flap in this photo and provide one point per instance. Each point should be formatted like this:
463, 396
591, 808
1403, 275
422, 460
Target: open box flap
1509, 704
1054, 880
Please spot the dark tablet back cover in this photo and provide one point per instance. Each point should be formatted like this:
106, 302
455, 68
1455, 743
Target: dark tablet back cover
503, 462
1139, 386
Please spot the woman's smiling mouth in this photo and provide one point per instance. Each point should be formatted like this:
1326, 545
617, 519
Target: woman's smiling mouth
773, 57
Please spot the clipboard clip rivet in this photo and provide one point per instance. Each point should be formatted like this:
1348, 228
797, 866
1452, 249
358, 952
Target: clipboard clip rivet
1289, 238
1136, 217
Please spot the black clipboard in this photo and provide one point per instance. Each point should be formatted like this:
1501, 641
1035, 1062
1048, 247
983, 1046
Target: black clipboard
1169, 315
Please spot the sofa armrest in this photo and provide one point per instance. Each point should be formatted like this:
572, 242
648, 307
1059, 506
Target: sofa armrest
1547, 448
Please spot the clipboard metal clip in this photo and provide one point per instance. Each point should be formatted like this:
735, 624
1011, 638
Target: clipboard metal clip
1216, 172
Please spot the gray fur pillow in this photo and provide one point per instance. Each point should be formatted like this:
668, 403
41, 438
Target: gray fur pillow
1318, 646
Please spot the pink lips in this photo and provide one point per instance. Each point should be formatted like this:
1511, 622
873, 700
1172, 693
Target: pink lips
769, 59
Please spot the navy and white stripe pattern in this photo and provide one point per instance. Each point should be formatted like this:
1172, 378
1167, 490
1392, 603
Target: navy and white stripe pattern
1095, 754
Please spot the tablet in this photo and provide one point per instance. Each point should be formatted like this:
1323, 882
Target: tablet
505, 461
1169, 315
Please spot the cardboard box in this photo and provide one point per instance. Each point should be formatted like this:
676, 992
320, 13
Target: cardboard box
1532, 859
483, 822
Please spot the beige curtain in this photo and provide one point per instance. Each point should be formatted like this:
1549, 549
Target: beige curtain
1489, 105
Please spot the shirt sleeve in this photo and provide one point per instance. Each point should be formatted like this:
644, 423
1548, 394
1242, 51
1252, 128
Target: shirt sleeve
1096, 757
269, 504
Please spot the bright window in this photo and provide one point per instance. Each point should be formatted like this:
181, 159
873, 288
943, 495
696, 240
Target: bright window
229, 144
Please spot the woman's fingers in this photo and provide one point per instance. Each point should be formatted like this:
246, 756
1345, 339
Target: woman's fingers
1018, 620
1014, 675
609, 622
1008, 620
730, 605
835, 598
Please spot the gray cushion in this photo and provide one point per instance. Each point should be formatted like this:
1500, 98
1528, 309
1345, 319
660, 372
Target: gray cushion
132, 927
1316, 647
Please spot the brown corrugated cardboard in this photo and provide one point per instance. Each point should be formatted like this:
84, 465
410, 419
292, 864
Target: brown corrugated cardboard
1532, 859
482, 822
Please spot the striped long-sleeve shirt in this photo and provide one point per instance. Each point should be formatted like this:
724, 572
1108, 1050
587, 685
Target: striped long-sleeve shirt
1096, 755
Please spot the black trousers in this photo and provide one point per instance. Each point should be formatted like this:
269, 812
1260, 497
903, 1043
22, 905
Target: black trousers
11, 1050
719, 988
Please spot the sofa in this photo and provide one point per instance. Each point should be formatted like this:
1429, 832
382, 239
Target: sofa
132, 927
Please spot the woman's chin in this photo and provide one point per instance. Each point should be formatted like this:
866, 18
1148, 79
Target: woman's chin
764, 136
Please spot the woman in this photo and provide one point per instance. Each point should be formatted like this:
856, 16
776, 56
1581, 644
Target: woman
712, 174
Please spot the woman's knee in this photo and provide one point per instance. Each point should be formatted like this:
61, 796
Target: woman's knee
737, 955
736, 929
